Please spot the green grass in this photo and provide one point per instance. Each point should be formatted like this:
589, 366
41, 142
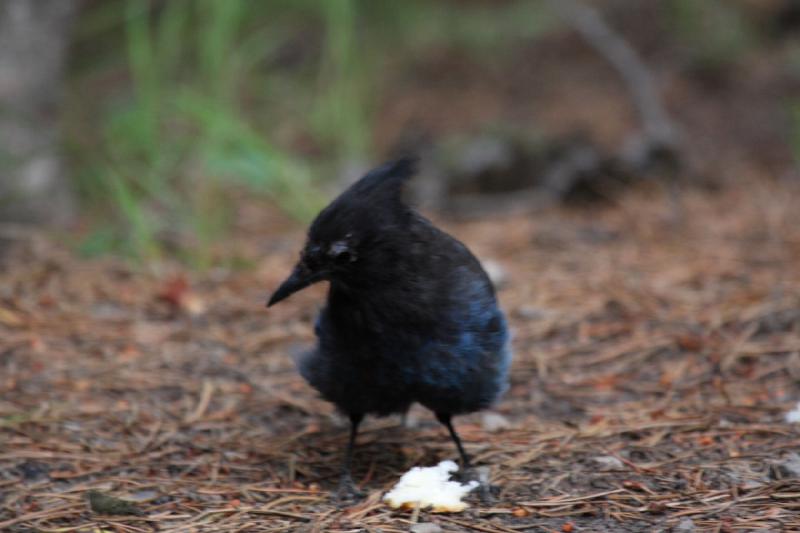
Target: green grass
173, 143
716, 33
178, 105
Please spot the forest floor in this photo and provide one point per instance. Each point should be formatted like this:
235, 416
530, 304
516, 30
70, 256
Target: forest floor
656, 341
657, 352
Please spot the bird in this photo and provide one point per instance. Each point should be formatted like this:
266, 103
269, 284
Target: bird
410, 315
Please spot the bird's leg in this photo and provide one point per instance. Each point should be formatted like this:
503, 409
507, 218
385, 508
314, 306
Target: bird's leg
480, 474
347, 489
446, 419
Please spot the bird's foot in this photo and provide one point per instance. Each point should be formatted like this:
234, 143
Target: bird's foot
481, 475
347, 493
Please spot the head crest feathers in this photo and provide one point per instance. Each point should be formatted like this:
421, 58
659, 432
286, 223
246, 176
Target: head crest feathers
385, 179
373, 201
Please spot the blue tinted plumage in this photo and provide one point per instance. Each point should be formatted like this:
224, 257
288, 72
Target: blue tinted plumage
410, 316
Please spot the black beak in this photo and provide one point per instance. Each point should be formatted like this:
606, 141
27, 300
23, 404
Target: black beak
300, 278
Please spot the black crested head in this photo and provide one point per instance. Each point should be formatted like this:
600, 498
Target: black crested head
373, 202
369, 211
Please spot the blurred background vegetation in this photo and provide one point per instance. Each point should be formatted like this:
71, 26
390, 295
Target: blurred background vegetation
204, 98
173, 111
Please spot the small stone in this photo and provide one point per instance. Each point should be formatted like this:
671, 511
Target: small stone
493, 422
751, 484
609, 462
193, 304
793, 416
685, 525
102, 503
529, 312
141, 496
410, 419
789, 467
426, 527
725, 423
496, 272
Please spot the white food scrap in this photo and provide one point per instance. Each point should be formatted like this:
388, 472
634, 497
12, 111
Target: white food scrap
430, 487
793, 416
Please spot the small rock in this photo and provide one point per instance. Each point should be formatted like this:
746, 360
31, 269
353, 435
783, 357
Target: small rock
609, 462
751, 484
685, 525
426, 527
109, 311
726, 423
410, 420
142, 496
102, 503
793, 416
193, 304
496, 272
529, 312
494, 422
788, 467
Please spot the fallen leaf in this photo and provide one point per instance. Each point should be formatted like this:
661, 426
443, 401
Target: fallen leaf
609, 462
10, 318
690, 342
173, 291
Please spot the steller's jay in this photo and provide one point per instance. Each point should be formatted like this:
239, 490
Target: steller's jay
410, 316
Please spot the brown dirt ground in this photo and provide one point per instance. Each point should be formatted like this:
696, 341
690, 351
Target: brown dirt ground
654, 362
657, 346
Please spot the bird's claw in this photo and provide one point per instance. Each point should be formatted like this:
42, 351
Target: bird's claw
347, 492
485, 493
481, 475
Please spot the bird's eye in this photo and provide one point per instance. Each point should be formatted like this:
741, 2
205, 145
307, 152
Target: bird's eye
341, 253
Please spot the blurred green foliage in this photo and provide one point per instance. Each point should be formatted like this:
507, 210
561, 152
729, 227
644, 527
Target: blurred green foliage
178, 108
178, 105
714, 33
